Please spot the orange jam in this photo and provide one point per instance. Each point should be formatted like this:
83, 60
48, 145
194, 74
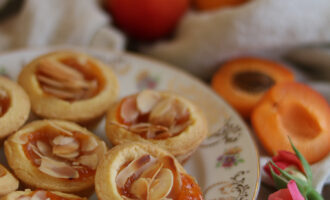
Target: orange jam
4, 103
47, 134
190, 190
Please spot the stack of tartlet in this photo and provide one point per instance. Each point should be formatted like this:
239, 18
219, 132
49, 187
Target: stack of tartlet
57, 157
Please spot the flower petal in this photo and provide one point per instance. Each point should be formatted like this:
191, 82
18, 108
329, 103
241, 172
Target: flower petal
294, 191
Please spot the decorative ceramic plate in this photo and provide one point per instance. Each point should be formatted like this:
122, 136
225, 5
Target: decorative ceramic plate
226, 165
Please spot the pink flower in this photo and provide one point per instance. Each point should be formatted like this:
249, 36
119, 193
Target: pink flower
290, 193
283, 160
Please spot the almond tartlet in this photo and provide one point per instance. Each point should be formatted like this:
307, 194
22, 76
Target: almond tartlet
14, 107
69, 86
55, 155
8, 182
40, 195
162, 118
144, 172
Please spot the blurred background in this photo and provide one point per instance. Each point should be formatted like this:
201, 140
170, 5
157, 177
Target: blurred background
198, 36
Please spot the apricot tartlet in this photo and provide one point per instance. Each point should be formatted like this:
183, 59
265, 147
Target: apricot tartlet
160, 118
14, 107
297, 111
55, 155
145, 172
243, 81
69, 86
40, 195
8, 182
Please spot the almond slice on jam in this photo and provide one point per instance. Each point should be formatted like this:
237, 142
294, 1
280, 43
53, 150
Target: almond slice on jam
89, 144
44, 148
58, 70
57, 169
39, 195
59, 128
64, 145
136, 167
163, 113
146, 100
162, 185
140, 188
89, 160
128, 110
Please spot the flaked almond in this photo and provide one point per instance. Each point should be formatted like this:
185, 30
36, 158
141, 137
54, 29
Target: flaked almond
169, 163
162, 185
20, 139
64, 145
62, 93
64, 140
24, 197
100, 150
128, 110
44, 148
3, 171
178, 128
59, 128
57, 169
152, 171
146, 100
89, 144
35, 150
39, 195
71, 85
58, 70
90, 160
140, 188
69, 156
136, 167
163, 113
181, 110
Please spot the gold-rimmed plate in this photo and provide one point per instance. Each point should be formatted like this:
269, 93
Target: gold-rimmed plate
226, 165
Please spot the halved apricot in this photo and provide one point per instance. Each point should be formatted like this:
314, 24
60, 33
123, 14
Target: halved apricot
297, 111
243, 81
217, 4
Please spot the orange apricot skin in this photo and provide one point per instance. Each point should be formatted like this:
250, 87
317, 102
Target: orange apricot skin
217, 4
242, 101
297, 111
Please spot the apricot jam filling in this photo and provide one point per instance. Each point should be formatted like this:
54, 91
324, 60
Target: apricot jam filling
70, 79
153, 116
253, 81
155, 178
4, 102
43, 195
63, 154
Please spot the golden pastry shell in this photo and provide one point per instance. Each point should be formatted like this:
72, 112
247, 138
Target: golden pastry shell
19, 108
81, 111
110, 165
8, 182
30, 175
181, 146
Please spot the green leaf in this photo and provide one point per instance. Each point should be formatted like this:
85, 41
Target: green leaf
304, 162
279, 181
302, 185
314, 195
